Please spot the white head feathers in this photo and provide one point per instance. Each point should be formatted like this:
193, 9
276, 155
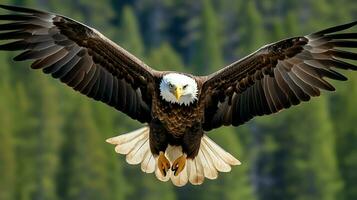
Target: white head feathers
178, 88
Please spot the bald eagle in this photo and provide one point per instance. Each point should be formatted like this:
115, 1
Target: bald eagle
178, 108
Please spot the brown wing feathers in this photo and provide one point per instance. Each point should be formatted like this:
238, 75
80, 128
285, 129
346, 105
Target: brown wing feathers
278, 76
80, 57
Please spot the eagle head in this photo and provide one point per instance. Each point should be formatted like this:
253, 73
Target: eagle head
178, 88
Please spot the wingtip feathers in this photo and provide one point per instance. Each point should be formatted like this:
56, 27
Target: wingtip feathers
21, 9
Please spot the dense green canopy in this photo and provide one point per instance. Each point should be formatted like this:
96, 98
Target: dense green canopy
52, 140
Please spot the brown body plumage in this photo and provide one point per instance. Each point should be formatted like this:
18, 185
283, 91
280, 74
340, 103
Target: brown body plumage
176, 124
275, 77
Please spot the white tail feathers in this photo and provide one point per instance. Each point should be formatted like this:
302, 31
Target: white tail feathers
210, 160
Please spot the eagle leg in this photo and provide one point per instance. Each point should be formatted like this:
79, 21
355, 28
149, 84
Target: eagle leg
163, 163
179, 164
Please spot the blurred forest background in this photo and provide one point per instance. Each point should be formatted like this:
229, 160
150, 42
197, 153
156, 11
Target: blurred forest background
52, 140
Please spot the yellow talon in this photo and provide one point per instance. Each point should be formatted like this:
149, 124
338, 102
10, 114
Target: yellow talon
179, 164
163, 163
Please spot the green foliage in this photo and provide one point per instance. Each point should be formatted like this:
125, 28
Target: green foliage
295, 156
48, 138
346, 135
252, 30
165, 58
129, 36
298, 150
52, 140
85, 158
7, 146
208, 54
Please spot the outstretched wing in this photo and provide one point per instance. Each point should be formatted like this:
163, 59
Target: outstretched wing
80, 57
277, 76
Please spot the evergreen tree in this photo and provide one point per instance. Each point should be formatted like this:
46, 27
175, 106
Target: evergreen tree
183, 31
251, 29
165, 58
7, 145
48, 137
84, 159
25, 144
344, 113
129, 36
208, 54
294, 161
154, 19
115, 177
288, 156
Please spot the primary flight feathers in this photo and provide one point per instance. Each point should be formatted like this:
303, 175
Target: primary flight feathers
80, 57
280, 74
274, 77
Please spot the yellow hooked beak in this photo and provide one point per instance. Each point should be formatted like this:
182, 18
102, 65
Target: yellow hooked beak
178, 92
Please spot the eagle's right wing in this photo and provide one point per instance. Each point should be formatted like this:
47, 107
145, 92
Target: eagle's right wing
80, 57
278, 76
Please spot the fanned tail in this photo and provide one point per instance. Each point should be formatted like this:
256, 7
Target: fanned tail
135, 145
210, 160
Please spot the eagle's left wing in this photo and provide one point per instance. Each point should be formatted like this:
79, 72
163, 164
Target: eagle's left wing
80, 57
277, 76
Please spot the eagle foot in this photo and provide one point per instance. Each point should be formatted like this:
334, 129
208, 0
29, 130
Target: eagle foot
163, 163
179, 164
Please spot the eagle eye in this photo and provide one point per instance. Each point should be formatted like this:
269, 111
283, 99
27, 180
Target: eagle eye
185, 86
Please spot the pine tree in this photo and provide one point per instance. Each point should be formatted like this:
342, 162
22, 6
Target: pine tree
155, 17
25, 144
48, 137
129, 36
296, 158
165, 58
344, 113
183, 29
209, 55
286, 155
38, 138
7, 153
84, 168
251, 29
115, 177
7, 143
